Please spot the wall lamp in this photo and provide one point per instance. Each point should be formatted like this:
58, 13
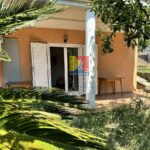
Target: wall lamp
65, 38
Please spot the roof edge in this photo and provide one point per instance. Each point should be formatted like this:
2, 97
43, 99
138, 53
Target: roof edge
77, 3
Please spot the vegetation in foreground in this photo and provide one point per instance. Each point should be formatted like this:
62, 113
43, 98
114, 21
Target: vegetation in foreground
37, 119
125, 126
28, 122
144, 69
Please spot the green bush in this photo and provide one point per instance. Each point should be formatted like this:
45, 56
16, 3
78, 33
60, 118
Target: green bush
125, 126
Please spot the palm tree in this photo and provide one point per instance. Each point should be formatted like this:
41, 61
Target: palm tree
17, 14
35, 119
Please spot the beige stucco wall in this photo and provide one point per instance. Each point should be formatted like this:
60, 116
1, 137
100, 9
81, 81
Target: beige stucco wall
121, 62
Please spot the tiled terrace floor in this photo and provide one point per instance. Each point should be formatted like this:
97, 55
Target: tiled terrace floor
111, 100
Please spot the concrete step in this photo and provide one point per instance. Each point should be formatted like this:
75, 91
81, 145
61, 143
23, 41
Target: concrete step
144, 83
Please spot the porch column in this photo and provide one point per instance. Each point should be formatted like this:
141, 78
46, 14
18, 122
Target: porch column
1, 41
91, 52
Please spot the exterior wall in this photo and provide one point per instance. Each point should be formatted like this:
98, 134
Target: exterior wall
26, 36
122, 62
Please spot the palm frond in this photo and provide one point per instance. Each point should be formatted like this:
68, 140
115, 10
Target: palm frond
55, 95
29, 119
48, 128
4, 56
16, 14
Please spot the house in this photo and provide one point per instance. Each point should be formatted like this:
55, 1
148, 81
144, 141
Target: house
41, 54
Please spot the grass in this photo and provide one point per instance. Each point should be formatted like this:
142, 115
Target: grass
127, 126
143, 69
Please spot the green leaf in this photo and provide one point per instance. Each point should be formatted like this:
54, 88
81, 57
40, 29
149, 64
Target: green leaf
128, 16
4, 56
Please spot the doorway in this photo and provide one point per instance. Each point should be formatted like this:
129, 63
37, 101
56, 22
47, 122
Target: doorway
60, 67
57, 67
51, 66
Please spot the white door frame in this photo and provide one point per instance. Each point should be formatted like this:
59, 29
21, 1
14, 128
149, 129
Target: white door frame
49, 66
80, 53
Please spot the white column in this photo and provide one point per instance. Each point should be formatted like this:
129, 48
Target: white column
91, 52
66, 69
1, 41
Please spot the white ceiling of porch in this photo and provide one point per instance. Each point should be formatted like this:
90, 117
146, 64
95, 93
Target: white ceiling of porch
73, 18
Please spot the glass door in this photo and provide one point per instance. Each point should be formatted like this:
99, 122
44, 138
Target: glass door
73, 78
64, 65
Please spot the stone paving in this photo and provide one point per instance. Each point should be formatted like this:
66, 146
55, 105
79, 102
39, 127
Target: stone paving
112, 100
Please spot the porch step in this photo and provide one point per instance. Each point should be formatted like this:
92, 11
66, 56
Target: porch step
144, 83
